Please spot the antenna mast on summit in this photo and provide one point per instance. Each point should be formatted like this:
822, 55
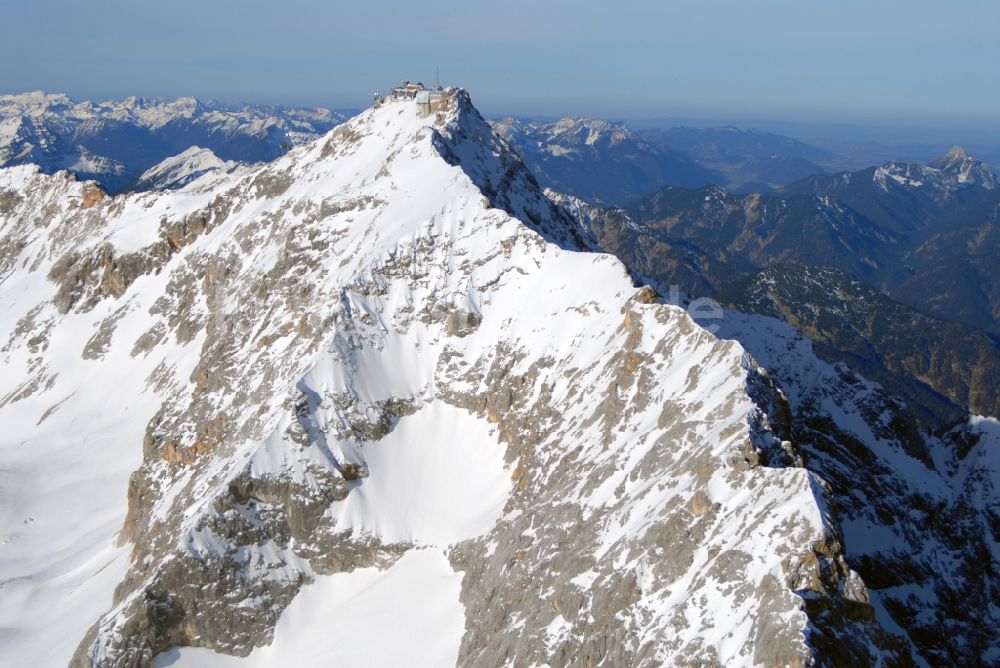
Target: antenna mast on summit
437, 78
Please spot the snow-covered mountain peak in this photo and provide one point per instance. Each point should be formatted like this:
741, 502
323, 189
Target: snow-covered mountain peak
398, 198
965, 169
941, 177
182, 169
164, 112
386, 357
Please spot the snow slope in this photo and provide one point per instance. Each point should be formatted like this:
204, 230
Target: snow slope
407, 615
427, 490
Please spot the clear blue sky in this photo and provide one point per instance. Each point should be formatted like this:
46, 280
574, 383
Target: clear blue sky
915, 61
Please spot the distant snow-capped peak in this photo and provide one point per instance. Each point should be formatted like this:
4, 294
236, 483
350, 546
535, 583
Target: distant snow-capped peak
182, 169
968, 170
943, 176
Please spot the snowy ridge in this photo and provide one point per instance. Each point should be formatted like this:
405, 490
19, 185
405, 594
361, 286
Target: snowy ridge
388, 341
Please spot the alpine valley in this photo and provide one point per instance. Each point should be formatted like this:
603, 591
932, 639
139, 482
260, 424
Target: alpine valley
385, 400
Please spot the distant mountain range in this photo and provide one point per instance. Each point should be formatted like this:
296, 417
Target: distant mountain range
608, 163
749, 160
602, 162
599, 161
939, 232
115, 141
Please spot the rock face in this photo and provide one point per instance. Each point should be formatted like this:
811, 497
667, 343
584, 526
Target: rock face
389, 342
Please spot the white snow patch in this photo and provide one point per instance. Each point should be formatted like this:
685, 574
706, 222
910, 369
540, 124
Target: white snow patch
408, 615
437, 478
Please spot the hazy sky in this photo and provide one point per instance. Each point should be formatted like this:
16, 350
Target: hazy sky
926, 61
